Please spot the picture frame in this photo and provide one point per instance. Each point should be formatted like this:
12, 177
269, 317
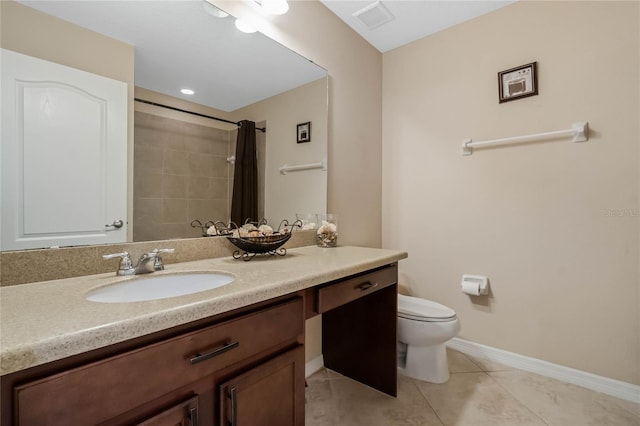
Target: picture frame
304, 132
518, 82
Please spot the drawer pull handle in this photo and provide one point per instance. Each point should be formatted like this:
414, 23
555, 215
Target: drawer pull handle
193, 416
367, 286
219, 351
234, 406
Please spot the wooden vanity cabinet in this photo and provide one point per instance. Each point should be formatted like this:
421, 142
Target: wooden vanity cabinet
182, 414
265, 395
239, 368
178, 381
359, 316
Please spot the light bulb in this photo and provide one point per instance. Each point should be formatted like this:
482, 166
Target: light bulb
187, 91
275, 7
245, 27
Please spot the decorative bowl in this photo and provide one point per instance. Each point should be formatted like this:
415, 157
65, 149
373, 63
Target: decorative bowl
263, 244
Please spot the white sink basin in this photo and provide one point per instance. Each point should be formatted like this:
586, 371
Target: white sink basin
154, 287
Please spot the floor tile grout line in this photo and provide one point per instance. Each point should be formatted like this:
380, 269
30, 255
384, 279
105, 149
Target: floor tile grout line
413, 381
514, 396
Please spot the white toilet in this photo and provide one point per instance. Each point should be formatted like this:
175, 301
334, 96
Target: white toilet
423, 328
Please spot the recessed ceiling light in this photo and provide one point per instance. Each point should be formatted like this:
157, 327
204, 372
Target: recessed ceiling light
187, 91
245, 27
275, 7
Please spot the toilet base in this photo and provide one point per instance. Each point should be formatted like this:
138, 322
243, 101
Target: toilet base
427, 363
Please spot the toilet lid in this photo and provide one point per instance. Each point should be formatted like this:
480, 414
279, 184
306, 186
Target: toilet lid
418, 309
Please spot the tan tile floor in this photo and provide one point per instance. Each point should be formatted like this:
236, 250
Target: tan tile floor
478, 393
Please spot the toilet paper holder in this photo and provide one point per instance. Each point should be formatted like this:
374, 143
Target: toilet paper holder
475, 285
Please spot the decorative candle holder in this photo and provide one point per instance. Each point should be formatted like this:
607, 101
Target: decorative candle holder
327, 234
308, 220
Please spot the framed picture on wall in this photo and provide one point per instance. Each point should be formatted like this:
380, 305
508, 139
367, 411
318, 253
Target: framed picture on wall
519, 82
304, 132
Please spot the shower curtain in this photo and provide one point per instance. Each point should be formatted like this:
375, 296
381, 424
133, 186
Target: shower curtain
244, 202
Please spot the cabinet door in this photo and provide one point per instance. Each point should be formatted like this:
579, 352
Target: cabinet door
133, 378
270, 394
183, 414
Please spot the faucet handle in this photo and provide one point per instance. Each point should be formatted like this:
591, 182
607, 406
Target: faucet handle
167, 250
157, 264
125, 261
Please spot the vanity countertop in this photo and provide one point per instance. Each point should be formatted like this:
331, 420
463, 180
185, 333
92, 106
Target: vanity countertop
50, 320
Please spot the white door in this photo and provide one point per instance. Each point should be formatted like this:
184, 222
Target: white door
63, 155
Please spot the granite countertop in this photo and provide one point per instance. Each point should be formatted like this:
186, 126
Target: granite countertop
50, 320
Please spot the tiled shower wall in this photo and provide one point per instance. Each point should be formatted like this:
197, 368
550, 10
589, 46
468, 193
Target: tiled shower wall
181, 173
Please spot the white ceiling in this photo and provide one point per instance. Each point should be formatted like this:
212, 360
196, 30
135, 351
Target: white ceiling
412, 19
177, 44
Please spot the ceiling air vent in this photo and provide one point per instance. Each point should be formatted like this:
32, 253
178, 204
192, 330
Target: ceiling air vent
374, 15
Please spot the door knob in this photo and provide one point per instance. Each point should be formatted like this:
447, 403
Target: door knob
116, 224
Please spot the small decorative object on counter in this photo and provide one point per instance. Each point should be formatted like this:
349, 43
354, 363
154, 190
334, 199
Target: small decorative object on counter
260, 238
308, 220
327, 234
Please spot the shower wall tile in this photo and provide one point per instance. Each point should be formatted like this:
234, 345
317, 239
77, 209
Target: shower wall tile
175, 141
218, 188
172, 230
198, 145
147, 210
203, 210
148, 159
148, 184
147, 136
220, 166
181, 173
201, 164
174, 210
175, 186
220, 147
199, 187
176, 162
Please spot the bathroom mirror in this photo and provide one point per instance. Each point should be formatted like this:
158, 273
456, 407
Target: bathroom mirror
245, 76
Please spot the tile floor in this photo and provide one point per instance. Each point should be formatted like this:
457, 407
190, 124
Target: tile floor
478, 393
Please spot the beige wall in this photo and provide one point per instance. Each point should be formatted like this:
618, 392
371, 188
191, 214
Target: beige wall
355, 102
28, 31
554, 225
355, 121
295, 192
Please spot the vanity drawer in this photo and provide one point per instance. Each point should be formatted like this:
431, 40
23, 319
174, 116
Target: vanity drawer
343, 292
101, 390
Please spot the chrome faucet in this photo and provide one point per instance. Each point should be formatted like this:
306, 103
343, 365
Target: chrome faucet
148, 262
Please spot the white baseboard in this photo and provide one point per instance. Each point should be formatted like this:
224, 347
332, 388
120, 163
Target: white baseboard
313, 366
617, 388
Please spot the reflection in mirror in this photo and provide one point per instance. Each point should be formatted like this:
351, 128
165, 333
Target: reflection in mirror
183, 165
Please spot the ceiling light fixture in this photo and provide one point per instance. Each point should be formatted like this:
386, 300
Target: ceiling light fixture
274, 7
187, 91
245, 27
214, 10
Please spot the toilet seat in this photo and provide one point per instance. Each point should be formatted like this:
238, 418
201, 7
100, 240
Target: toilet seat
417, 309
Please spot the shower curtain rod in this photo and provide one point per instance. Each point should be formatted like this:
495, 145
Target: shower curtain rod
262, 129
